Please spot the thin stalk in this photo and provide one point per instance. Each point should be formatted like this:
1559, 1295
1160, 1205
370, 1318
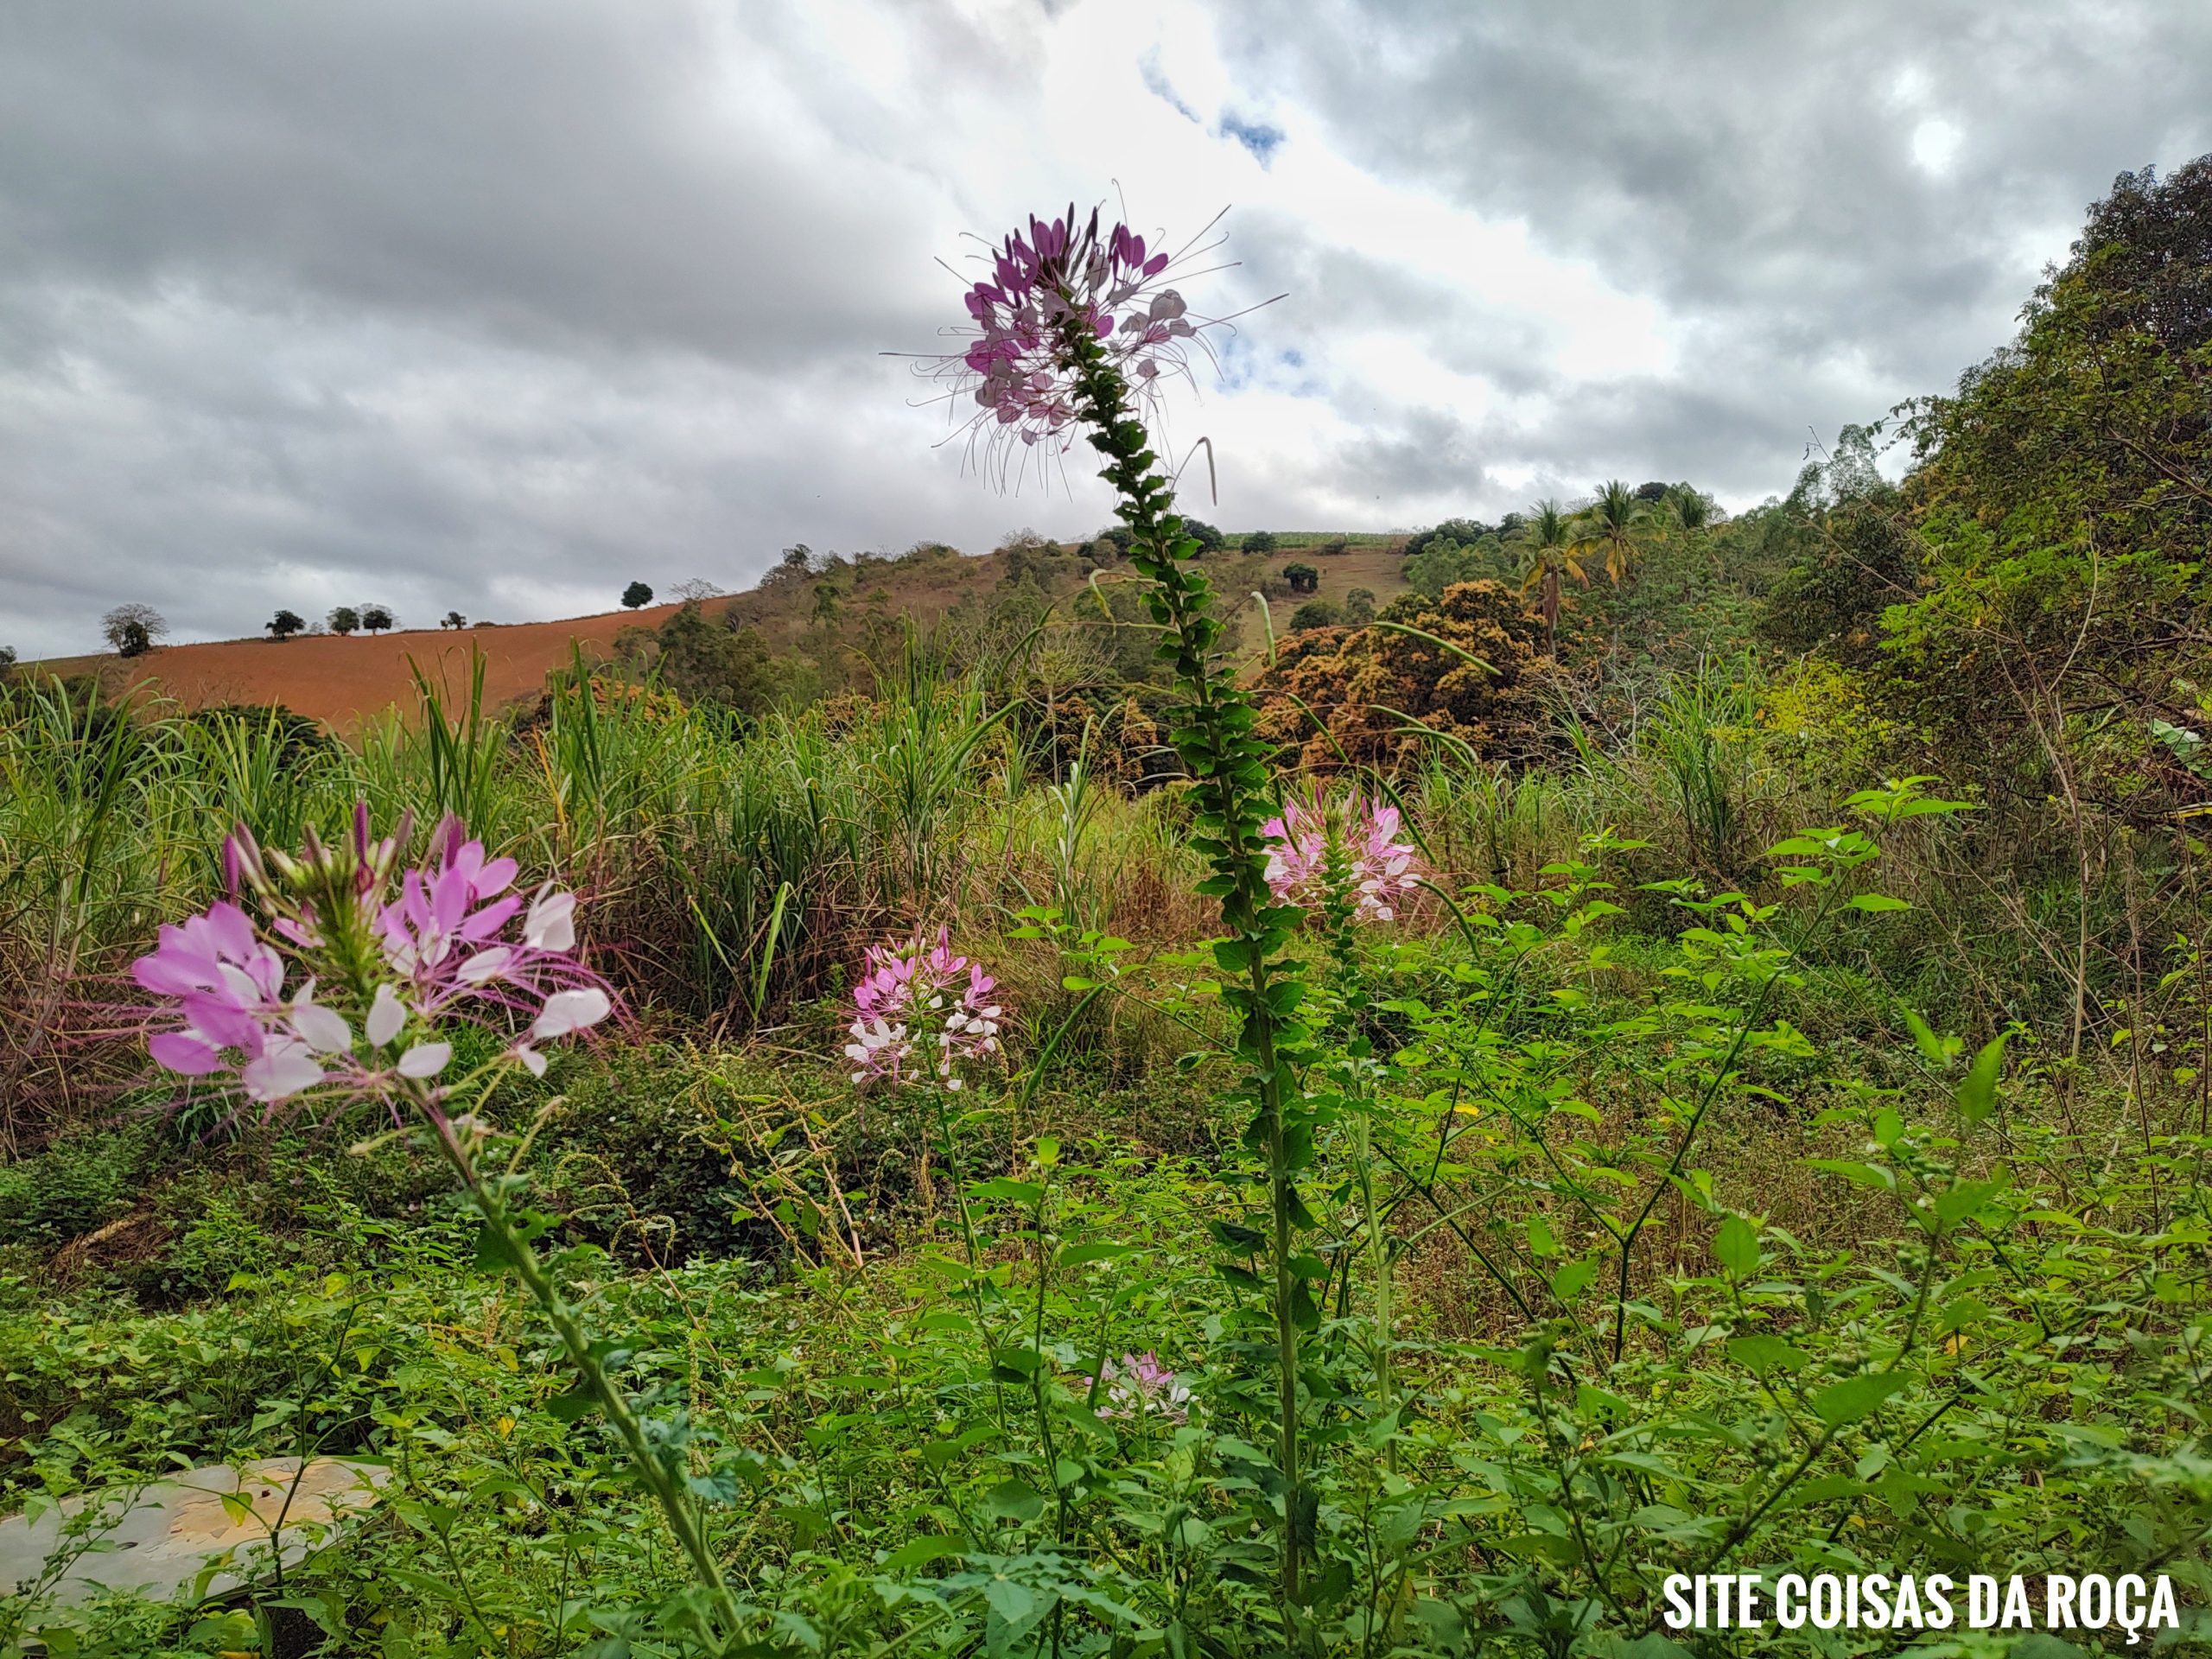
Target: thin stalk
682, 1518
1213, 733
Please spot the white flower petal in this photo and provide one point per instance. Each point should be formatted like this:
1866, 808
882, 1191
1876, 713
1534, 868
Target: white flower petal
425, 1059
285, 1069
550, 924
386, 1015
322, 1029
568, 1010
486, 965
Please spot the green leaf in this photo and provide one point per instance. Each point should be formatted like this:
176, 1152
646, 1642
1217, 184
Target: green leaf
1541, 1242
1879, 1180
1964, 1199
1763, 1354
1235, 1236
1933, 1049
1877, 902
1013, 1500
920, 1552
1574, 1278
578, 1402
1736, 1247
1978, 1093
1857, 1397
491, 1250
1076, 1254
999, 1186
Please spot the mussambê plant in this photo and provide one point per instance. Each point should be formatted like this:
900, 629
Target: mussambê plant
347, 987
1074, 330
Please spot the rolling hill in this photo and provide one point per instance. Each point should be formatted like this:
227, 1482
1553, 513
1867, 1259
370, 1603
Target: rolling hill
339, 680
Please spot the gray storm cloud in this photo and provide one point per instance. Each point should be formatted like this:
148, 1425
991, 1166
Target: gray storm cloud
491, 306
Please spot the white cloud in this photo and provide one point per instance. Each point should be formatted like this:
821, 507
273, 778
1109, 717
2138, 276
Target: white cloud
468, 305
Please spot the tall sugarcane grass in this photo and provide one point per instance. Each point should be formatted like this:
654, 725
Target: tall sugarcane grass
734, 867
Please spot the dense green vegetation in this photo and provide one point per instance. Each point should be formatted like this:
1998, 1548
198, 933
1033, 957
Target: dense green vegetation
1767, 1132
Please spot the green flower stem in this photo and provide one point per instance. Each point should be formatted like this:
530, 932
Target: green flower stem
1214, 734
683, 1514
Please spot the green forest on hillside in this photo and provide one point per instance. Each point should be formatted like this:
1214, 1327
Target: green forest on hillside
1636, 1042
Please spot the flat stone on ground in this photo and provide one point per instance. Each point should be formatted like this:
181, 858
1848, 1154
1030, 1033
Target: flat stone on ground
157, 1538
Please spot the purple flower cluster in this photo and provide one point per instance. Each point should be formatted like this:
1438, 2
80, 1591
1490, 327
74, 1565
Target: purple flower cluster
438, 943
1379, 869
911, 1001
1061, 278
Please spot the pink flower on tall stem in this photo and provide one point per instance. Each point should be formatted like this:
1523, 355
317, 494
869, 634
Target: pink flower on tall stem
919, 1015
1376, 869
411, 952
1068, 274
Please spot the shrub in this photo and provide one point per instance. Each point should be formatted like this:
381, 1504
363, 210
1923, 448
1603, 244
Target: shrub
1302, 578
285, 623
635, 594
1315, 613
1258, 541
76, 1185
1366, 682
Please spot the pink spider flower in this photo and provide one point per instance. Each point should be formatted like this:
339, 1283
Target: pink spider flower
448, 936
1055, 284
1380, 869
227, 991
1298, 848
921, 1014
1138, 1385
440, 943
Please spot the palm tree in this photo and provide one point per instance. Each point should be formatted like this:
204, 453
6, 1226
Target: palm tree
1613, 521
1691, 510
1549, 535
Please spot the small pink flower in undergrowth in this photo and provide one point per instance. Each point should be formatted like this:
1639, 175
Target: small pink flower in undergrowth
1379, 869
1138, 1385
1069, 279
919, 1015
423, 948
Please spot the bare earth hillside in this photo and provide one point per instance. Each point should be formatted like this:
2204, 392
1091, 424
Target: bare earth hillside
338, 680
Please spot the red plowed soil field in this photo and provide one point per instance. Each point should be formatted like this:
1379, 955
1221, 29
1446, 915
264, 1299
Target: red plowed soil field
338, 680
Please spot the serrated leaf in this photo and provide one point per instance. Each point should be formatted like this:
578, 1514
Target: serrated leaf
1574, 1278
1542, 1243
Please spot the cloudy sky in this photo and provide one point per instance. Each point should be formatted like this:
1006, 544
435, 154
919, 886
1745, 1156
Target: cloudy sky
494, 305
